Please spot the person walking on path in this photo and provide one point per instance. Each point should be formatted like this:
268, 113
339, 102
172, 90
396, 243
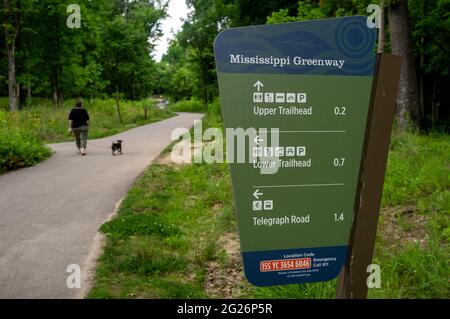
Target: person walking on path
79, 125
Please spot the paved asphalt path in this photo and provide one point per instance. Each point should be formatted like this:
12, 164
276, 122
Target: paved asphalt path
50, 213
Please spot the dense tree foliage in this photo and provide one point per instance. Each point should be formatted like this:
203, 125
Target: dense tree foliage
189, 64
190, 60
431, 37
109, 53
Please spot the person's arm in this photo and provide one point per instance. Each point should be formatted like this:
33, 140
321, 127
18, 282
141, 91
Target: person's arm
87, 117
70, 120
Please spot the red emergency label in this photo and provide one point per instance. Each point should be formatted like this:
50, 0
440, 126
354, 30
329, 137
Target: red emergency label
285, 264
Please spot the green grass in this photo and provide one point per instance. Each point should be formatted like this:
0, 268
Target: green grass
165, 233
192, 105
418, 167
23, 134
49, 123
170, 207
168, 231
414, 272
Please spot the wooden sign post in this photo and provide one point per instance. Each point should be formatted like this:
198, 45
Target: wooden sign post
353, 278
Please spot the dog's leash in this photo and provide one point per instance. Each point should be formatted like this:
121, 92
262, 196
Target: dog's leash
96, 146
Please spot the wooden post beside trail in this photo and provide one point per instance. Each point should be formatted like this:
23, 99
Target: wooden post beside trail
118, 107
352, 280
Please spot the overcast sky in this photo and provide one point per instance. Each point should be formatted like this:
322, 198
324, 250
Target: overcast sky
177, 11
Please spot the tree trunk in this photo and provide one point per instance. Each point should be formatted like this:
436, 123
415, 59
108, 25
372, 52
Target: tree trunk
55, 95
381, 31
408, 97
433, 104
421, 68
118, 105
12, 85
18, 95
61, 98
29, 92
421, 82
10, 40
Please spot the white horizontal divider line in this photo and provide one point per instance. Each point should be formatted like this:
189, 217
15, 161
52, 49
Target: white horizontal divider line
337, 131
300, 185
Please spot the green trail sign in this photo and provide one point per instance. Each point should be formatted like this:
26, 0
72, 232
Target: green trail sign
300, 94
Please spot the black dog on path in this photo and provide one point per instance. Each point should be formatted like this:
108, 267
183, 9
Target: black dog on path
116, 147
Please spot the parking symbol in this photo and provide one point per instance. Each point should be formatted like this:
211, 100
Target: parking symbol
301, 97
301, 151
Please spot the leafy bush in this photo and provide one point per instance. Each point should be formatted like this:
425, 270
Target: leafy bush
19, 148
215, 108
3, 104
192, 105
145, 104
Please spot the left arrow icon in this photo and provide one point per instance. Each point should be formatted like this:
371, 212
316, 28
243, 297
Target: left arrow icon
258, 140
257, 193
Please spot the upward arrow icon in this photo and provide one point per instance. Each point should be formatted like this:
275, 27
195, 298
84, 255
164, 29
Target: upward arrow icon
258, 85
